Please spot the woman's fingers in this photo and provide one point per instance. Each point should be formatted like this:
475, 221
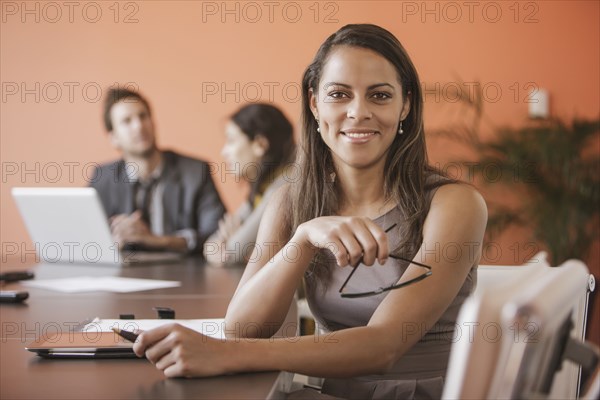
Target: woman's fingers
149, 338
362, 240
338, 249
366, 239
166, 361
173, 370
351, 239
380, 237
180, 351
159, 350
347, 234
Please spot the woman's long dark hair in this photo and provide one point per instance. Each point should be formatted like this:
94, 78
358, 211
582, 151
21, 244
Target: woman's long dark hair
406, 166
268, 121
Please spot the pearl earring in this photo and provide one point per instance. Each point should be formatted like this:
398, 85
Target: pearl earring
318, 126
400, 130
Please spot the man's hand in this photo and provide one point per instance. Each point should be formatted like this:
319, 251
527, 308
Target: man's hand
127, 229
131, 229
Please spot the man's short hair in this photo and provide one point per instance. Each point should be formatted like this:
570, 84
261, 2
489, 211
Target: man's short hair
114, 96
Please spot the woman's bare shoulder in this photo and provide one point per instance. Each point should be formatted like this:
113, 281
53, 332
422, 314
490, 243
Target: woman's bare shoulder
275, 220
459, 200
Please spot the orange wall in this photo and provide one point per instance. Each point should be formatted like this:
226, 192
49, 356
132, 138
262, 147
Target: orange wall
177, 52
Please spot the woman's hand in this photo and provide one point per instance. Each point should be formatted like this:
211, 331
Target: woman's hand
214, 247
350, 239
181, 352
228, 226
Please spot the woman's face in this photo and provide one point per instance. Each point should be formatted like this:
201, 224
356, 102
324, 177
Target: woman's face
359, 106
243, 156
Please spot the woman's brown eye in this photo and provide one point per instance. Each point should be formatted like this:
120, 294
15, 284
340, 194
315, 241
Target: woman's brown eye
382, 96
337, 95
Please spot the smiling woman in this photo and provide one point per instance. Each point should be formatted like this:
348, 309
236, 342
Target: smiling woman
365, 195
358, 116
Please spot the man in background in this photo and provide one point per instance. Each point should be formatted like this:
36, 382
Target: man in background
155, 199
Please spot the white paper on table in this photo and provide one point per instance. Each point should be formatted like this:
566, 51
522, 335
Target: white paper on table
214, 328
117, 284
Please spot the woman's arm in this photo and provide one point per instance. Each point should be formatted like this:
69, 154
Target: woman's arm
275, 269
181, 352
458, 216
273, 273
457, 219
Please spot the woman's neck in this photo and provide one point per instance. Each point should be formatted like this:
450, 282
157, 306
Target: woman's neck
362, 192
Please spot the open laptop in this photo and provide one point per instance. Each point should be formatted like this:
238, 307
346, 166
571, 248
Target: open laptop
69, 225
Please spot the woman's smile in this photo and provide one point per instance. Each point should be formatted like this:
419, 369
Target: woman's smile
359, 135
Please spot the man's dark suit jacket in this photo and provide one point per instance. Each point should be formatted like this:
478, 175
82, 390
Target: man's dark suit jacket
190, 199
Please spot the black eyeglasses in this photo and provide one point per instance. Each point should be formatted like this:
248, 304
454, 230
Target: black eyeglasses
387, 288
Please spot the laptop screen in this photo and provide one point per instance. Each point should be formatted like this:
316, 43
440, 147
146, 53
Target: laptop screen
67, 225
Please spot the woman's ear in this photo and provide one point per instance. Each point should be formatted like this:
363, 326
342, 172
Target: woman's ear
259, 145
405, 108
312, 97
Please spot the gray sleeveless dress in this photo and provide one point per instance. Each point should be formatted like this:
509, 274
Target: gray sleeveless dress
420, 372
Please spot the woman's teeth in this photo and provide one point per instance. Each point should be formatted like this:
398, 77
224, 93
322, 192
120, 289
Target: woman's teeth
358, 135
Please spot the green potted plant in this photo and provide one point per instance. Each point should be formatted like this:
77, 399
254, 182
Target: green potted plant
552, 166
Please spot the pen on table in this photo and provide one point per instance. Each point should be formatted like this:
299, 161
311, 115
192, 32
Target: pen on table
132, 337
14, 276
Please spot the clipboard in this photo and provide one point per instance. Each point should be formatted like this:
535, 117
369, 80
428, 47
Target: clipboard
82, 345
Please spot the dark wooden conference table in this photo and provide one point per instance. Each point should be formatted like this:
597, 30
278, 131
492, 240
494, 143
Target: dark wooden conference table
205, 292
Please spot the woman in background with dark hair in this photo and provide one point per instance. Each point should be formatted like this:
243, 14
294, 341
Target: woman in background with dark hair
366, 198
259, 146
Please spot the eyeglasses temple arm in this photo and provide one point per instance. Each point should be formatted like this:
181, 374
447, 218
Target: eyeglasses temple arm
349, 276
